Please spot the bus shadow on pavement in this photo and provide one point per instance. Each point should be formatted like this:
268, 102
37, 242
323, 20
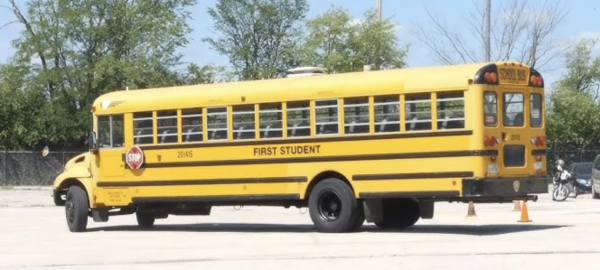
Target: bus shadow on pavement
481, 230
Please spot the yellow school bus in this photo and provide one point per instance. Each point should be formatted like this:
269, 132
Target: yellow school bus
379, 146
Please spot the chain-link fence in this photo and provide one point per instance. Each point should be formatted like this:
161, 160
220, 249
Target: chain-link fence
570, 157
19, 168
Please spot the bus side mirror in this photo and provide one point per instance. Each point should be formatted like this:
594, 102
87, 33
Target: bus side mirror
92, 145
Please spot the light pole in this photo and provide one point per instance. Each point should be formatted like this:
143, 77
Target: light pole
486, 30
378, 6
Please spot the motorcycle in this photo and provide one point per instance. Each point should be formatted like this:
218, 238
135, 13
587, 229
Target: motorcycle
561, 187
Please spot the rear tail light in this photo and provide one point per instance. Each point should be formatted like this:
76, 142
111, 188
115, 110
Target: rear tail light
490, 141
536, 80
538, 140
491, 77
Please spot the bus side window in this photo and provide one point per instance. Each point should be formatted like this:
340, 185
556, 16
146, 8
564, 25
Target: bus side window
356, 115
243, 122
298, 119
217, 123
110, 131
191, 125
418, 112
118, 131
450, 110
326, 117
166, 129
387, 113
104, 132
142, 128
270, 121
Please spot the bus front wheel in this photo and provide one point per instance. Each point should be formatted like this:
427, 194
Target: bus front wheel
334, 208
399, 214
76, 209
145, 220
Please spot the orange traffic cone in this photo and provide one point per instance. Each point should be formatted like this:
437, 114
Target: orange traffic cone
517, 206
524, 213
471, 212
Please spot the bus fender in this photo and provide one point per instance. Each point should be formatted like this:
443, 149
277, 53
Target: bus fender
74, 176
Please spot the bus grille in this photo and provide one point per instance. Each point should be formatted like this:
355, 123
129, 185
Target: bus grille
514, 156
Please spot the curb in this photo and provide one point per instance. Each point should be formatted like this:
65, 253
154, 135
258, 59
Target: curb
32, 188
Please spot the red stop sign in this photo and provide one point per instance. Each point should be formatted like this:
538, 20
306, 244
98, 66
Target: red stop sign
134, 157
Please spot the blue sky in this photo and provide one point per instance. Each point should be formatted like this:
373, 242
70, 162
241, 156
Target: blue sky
583, 20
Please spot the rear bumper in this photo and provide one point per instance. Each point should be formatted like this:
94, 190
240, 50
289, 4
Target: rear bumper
504, 187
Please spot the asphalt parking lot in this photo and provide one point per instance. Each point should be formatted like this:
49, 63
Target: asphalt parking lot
34, 235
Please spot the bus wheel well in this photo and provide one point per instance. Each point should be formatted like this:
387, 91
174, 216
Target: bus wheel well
325, 175
64, 188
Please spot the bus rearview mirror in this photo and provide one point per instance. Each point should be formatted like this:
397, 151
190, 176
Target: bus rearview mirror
92, 145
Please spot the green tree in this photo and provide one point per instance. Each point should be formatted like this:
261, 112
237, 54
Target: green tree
573, 118
583, 70
74, 51
259, 37
341, 44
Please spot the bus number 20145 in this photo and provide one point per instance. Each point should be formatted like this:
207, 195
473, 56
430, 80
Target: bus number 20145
185, 154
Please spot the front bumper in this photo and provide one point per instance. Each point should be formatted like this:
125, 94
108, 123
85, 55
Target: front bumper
504, 187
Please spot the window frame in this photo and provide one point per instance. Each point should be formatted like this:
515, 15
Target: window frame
421, 98
111, 130
243, 110
158, 126
504, 107
316, 123
496, 122
351, 103
540, 110
227, 123
275, 108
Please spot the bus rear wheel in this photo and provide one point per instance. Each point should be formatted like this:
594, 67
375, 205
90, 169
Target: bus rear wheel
399, 214
76, 209
334, 208
145, 220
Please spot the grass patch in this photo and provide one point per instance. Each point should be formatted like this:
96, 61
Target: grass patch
7, 187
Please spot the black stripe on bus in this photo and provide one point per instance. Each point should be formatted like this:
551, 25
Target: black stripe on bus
296, 179
323, 159
400, 176
308, 140
220, 198
408, 194
539, 152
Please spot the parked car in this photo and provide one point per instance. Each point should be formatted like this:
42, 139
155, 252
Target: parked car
596, 178
582, 176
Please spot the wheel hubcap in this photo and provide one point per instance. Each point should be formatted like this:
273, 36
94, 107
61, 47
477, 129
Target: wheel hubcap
330, 206
70, 210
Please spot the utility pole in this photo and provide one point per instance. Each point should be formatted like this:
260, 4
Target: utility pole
486, 30
378, 9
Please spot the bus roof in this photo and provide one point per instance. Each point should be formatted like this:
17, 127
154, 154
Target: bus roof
406, 80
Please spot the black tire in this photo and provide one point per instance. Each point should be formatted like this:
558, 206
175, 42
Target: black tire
561, 193
399, 214
145, 220
334, 208
77, 209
